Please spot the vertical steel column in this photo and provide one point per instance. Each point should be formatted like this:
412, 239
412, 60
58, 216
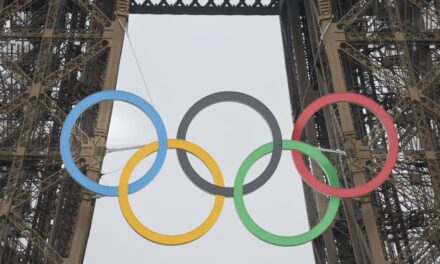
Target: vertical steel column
39, 83
299, 81
388, 51
333, 39
114, 35
34, 91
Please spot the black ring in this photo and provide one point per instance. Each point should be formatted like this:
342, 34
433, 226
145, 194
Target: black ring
254, 104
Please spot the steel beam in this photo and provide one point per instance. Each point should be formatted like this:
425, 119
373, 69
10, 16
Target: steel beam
41, 208
210, 7
115, 37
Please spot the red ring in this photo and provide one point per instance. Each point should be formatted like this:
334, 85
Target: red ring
393, 144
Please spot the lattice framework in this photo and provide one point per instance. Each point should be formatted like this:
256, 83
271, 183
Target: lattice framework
387, 49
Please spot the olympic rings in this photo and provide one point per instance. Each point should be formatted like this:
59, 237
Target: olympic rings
393, 144
316, 231
243, 99
145, 231
275, 147
80, 108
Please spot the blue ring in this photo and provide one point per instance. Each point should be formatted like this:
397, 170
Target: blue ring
91, 100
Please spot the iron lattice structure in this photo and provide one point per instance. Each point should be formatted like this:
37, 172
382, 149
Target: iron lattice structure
389, 51
52, 54
208, 7
386, 49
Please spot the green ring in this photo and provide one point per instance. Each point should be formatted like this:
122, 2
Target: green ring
308, 236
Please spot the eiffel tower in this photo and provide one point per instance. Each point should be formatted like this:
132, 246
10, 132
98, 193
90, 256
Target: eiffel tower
53, 53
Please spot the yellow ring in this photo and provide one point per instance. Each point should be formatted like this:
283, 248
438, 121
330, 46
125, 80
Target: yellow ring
144, 231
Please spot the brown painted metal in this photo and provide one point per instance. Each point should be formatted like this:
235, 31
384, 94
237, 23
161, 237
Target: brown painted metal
47, 51
385, 49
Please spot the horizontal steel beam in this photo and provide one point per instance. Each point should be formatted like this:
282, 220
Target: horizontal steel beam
245, 8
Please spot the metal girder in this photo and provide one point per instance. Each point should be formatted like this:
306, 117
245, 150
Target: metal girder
75, 63
66, 46
47, 183
429, 79
209, 7
401, 43
33, 108
91, 9
414, 249
383, 75
407, 190
12, 8
16, 103
6, 153
424, 36
38, 153
34, 238
411, 155
17, 163
15, 70
59, 115
378, 132
424, 131
431, 105
20, 33
412, 106
387, 51
46, 43
93, 153
358, 9
432, 12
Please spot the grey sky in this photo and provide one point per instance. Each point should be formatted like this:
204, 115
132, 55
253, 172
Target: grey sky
185, 58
